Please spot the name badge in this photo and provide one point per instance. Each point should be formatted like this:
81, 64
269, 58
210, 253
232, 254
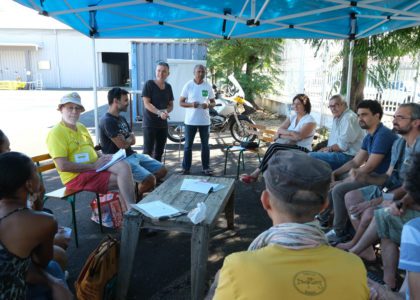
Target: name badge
81, 157
204, 93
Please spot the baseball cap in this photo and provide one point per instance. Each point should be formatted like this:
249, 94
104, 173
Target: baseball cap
290, 171
71, 98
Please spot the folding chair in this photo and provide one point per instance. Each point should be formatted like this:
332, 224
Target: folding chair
264, 137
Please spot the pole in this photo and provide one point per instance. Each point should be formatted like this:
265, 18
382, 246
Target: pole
95, 92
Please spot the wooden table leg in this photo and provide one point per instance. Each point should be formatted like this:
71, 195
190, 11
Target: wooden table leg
230, 211
199, 256
129, 240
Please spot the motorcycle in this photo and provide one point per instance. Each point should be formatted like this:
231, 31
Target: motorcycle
227, 114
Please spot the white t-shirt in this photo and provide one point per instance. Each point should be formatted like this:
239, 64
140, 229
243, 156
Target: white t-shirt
201, 93
294, 126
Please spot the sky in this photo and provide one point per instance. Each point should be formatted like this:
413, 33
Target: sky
14, 15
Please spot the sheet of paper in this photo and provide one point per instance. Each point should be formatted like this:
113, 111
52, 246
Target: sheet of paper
157, 209
199, 186
116, 157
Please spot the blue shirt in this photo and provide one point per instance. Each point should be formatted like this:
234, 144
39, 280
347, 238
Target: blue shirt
380, 142
410, 247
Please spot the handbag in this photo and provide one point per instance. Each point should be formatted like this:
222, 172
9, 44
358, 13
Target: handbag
98, 278
112, 210
249, 145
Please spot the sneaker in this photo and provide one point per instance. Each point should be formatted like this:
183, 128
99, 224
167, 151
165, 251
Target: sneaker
324, 223
334, 238
184, 172
208, 172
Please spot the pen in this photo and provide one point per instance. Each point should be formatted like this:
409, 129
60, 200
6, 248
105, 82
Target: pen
164, 218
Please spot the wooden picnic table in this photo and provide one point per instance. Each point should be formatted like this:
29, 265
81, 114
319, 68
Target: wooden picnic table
169, 192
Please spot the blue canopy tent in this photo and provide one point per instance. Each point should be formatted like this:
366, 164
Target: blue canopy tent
326, 19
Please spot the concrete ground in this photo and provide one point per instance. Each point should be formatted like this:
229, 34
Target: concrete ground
162, 266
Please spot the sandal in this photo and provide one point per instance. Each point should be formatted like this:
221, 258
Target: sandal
208, 172
247, 179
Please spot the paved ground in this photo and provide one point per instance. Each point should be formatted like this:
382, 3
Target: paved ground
162, 264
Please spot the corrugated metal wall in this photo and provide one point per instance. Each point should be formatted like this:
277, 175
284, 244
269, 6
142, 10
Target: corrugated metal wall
145, 56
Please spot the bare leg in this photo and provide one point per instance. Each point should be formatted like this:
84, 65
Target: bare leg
363, 224
146, 185
390, 257
363, 247
161, 173
122, 178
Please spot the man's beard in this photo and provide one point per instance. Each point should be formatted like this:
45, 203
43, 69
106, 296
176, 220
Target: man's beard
403, 130
363, 125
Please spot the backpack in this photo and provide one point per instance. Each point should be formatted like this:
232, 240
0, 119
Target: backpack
98, 278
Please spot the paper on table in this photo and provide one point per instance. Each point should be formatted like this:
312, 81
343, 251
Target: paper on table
200, 186
157, 209
116, 157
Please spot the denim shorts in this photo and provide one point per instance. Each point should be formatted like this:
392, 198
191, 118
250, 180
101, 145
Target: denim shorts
142, 166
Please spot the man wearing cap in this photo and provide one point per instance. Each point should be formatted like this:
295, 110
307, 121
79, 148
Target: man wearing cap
115, 134
345, 138
292, 259
71, 147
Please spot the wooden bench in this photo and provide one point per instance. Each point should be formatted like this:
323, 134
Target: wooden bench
45, 163
261, 134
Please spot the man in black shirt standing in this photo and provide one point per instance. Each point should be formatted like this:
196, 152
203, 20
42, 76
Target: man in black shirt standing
115, 134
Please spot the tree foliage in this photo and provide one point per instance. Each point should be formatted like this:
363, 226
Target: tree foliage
254, 62
376, 58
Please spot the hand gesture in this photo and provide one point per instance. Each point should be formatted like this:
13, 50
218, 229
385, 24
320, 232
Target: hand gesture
204, 105
103, 160
357, 175
359, 208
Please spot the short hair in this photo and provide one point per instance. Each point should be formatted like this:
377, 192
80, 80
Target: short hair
163, 64
116, 93
414, 108
2, 137
412, 178
19, 169
305, 101
303, 203
374, 107
199, 66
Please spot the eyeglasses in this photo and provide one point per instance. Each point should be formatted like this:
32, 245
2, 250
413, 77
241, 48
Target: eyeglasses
334, 105
75, 108
399, 118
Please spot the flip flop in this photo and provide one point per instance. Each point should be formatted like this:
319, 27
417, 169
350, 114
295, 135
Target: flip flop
247, 179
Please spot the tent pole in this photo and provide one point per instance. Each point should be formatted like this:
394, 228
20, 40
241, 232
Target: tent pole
95, 91
350, 70
349, 73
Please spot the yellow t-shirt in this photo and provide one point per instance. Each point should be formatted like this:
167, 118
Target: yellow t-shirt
274, 272
76, 146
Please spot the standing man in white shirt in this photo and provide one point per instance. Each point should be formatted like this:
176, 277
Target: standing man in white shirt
345, 138
197, 97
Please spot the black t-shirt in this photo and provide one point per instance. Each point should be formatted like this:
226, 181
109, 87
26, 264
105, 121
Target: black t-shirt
160, 99
109, 127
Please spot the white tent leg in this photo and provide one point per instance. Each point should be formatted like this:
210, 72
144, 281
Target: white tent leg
95, 92
349, 72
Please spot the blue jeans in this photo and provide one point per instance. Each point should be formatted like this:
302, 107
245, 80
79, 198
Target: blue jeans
190, 131
334, 159
142, 166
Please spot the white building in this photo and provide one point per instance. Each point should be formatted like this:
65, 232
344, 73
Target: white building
37, 48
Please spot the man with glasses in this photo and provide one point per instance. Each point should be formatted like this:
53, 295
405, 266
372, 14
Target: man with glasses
373, 157
361, 203
71, 147
345, 137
